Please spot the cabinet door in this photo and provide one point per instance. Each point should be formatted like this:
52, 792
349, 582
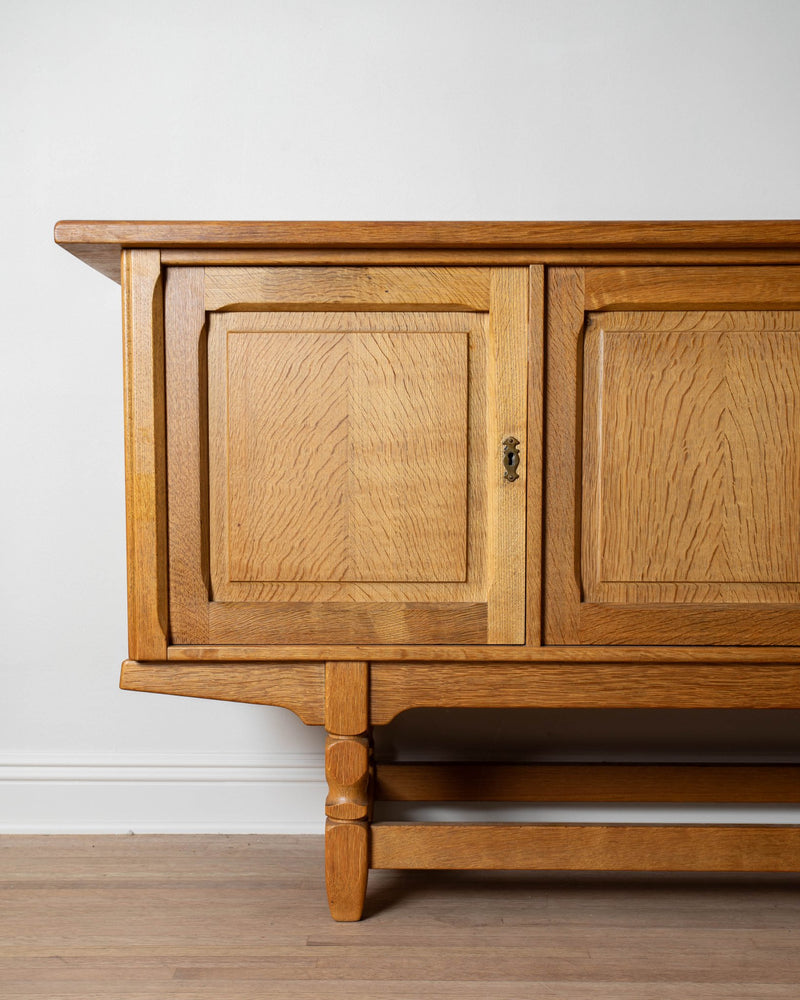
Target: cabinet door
335, 454
673, 456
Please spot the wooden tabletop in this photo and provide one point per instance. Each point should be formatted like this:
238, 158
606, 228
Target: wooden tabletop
99, 242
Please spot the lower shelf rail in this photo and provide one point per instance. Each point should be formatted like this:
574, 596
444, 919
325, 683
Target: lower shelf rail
586, 846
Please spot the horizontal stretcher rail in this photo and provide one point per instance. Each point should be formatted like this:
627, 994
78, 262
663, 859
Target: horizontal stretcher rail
586, 847
532, 782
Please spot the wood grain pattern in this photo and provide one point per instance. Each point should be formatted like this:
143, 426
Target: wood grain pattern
433, 243
346, 868
278, 416
296, 686
375, 257
311, 491
683, 235
561, 587
239, 918
99, 243
507, 417
447, 536
346, 622
264, 288
347, 772
690, 468
408, 456
676, 783
535, 455
397, 686
708, 457
346, 697
676, 493
594, 847
731, 655
187, 453
256, 624
751, 624
346, 456
145, 460
347, 769
692, 288
105, 257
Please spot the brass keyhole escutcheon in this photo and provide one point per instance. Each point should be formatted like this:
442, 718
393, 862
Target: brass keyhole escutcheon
510, 459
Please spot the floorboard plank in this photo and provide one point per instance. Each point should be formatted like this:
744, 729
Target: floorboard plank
146, 917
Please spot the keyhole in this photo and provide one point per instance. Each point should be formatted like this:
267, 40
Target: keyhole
510, 459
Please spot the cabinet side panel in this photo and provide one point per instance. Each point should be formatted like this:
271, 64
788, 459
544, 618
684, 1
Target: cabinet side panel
145, 460
185, 340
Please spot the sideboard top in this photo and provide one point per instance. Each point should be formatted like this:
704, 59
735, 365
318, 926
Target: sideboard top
98, 243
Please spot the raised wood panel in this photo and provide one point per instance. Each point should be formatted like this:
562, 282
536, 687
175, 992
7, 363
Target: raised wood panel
691, 468
346, 456
367, 417
262, 288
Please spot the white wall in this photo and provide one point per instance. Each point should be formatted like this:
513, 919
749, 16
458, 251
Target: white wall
258, 109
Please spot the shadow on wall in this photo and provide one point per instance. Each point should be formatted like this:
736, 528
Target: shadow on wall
691, 735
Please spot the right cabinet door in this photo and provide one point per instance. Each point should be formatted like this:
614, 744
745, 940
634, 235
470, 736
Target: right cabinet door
672, 494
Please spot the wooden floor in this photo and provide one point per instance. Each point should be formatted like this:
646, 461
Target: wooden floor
245, 917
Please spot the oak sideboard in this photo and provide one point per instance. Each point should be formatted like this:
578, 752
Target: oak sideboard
379, 466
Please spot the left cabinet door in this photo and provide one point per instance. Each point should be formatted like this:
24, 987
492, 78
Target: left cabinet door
335, 454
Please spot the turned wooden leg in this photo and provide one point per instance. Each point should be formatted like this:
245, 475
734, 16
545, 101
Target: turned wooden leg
348, 805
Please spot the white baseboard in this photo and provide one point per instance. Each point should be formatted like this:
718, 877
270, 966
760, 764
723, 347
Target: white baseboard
278, 793
127, 793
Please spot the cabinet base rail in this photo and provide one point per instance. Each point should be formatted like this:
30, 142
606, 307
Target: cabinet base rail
586, 847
